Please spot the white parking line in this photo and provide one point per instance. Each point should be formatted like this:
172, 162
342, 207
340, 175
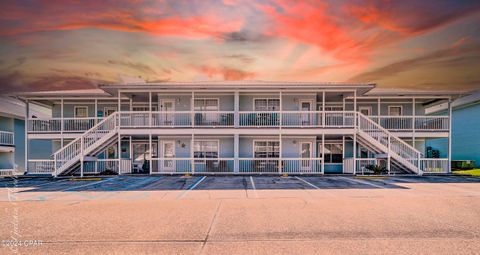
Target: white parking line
361, 182
307, 182
191, 187
89, 184
253, 183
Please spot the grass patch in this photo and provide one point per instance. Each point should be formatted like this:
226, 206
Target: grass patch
473, 172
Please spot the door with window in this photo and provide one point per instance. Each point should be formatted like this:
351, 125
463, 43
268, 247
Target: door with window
266, 115
266, 153
306, 116
168, 154
306, 155
167, 107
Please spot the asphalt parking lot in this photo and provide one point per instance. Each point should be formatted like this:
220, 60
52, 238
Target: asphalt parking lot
243, 215
175, 183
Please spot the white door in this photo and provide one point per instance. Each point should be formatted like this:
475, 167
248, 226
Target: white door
306, 118
306, 153
167, 106
168, 151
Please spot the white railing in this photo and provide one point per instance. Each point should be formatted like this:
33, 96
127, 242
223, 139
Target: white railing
55, 124
44, 125
408, 123
6, 138
259, 119
405, 153
101, 165
432, 123
214, 165
259, 165
172, 119
339, 119
78, 148
302, 119
301, 165
214, 119
40, 166
172, 165
434, 165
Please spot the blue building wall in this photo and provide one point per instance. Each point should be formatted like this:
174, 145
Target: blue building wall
466, 133
19, 129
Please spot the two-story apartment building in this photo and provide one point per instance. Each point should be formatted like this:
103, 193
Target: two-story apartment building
241, 127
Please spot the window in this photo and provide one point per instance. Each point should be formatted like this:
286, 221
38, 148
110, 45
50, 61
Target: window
366, 110
205, 149
266, 149
81, 111
333, 153
332, 108
394, 110
109, 110
205, 104
266, 104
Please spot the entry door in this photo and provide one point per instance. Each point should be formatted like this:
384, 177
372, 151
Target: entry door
167, 106
306, 153
306, 118
168, 153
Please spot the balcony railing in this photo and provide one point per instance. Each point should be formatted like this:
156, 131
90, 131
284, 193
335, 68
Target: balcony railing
54, 125
6, 138
268, 119
408, 123
434, 165
41, 166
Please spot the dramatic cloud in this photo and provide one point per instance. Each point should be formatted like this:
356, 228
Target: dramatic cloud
398, 44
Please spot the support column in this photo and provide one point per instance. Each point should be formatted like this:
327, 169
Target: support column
389, 155
413, 121
192, 109
95, 115
62, 124
323, 108
236, 148
27, 108
150, 109
281, 109
119, 153
355, 133
343, 153
150, 149
280, 153
449, 135
82, 156
323, 153
236, 109
192, 155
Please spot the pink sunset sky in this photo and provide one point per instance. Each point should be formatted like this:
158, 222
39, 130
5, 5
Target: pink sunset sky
422, 45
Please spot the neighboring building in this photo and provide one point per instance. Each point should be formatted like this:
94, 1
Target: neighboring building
465, 127
236, 128
12, 133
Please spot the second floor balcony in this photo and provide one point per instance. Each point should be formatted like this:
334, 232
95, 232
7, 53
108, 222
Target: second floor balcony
6, 138
241, 119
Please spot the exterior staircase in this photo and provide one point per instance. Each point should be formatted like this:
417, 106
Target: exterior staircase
383, 140
73, 153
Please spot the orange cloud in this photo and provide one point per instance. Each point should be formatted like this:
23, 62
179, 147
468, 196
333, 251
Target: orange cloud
227, 73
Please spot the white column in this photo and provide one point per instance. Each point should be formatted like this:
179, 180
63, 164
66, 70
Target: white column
236, 149
62, 124
95, 120
281, 109
82, 156
192, 109
150, 149
378, 109
192, 159
355, 133
119, 152
323, 108
150, 109
413, 122
343, 153
236, 108
280, 152
323, 153
449, 135
26, 136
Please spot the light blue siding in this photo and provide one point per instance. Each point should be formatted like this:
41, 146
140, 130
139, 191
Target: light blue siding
19, 129
466, 134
